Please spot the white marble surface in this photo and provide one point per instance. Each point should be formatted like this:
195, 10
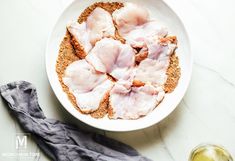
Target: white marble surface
206, 114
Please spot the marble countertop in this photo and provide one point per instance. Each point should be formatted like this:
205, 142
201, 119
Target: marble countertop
205, 115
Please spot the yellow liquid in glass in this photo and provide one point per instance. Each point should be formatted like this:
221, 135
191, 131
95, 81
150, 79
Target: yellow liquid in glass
210, 153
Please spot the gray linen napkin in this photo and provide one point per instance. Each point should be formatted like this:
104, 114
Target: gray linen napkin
61, 141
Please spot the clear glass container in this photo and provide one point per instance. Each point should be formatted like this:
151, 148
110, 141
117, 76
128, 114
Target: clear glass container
210, 152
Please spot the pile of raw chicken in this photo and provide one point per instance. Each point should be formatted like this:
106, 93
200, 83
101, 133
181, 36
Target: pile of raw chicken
131, 74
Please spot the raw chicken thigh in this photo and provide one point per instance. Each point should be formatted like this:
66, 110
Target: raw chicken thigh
128, 102
161, 46
134, 25
152, 71
85, 83
92, 100
113, 57
153, 68
81, 76
99, 24
140, 35
129, 16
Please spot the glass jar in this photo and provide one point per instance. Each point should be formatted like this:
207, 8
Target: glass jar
210, 152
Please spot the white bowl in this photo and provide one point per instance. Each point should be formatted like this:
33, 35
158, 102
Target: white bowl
159, 11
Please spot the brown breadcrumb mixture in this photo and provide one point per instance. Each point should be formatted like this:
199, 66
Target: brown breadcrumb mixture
79, 49
173, 74
141, 55
67, 55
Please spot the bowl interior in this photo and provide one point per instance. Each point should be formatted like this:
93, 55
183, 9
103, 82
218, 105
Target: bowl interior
159, 11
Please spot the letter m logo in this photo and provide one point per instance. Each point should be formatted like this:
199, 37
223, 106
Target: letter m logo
21, 141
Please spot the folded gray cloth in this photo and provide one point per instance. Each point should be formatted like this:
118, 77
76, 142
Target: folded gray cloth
58, 140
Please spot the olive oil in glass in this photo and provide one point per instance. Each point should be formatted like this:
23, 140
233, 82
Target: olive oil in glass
209, 152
